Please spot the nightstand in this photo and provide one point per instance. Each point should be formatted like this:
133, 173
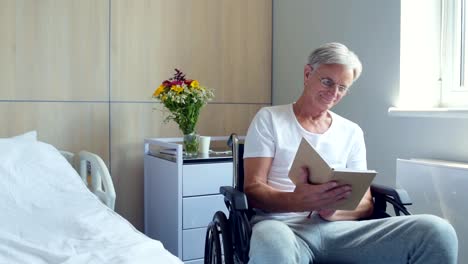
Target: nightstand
181, 195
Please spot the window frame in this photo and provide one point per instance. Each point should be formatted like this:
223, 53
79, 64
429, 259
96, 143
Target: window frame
427, 67
454, 69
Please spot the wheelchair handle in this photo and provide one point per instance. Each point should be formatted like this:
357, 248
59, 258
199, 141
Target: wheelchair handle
233, 142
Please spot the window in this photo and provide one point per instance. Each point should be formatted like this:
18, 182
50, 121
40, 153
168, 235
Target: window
454, 73
434, 54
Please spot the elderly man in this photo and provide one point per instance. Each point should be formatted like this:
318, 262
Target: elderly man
283, 232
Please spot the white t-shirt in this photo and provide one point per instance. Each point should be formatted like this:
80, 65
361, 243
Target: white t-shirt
275, 132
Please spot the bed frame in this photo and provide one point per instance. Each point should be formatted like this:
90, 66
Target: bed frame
95, 175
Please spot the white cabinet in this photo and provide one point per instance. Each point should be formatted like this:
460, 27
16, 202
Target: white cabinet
182, 195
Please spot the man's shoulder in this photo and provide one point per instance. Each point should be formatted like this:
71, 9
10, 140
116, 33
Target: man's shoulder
276, 114
342, 121
272, 119
276, 109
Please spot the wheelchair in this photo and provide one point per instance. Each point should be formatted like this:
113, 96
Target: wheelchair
228, 238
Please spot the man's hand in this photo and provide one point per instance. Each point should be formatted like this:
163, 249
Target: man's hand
327, 214
311, 197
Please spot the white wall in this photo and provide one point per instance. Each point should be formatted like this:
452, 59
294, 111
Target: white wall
371, 28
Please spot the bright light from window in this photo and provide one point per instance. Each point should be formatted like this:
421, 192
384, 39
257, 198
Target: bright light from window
420, 54
454, 92
464, 51
434, 54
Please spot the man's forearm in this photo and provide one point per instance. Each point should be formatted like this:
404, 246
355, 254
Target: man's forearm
363, 210
266, 198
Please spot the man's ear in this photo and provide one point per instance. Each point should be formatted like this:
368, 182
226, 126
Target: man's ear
308, 70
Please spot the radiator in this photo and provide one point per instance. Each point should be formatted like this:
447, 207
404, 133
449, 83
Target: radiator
440, 188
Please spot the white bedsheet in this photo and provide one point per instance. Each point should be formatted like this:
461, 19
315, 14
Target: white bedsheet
49, 216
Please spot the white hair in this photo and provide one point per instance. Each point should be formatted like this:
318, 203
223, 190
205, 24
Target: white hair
336, 53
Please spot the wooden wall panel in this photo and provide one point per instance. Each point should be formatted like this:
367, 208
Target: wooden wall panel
246, 35
138, 36
226, 45
61, 50
58, 57
7, 48
224, 119
132, 123
68, 126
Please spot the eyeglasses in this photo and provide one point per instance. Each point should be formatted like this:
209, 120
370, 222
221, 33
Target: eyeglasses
329, 83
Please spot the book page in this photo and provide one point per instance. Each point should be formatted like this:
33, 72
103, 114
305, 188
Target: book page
306, 156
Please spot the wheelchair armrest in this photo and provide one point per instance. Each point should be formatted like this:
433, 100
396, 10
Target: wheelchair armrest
382, 195
237, 199
399, 195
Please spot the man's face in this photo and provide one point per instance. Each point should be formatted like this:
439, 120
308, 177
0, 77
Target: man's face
327, 84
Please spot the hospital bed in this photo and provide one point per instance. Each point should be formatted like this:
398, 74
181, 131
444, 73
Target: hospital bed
51, 214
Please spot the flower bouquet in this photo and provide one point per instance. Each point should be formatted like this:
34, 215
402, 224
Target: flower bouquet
183, 98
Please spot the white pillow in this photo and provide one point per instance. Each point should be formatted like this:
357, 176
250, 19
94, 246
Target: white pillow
28, 136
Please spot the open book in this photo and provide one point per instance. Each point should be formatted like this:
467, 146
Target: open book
321, 172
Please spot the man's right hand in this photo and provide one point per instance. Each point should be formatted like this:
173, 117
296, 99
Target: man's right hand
311, 197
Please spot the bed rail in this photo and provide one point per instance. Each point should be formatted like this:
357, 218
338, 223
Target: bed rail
94, 173
69, 156
101, 182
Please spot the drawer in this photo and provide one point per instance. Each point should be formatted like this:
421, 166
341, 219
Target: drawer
193, 243
202, 179
198, 211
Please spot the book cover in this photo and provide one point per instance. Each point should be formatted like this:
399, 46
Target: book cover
320, 172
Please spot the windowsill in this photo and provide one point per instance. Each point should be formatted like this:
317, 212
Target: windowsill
429, 112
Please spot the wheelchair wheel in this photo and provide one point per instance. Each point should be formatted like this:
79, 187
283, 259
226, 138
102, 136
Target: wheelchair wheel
218, 243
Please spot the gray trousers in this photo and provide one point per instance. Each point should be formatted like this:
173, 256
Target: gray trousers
405, 239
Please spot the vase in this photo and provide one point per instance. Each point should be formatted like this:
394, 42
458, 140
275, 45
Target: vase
191, 144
